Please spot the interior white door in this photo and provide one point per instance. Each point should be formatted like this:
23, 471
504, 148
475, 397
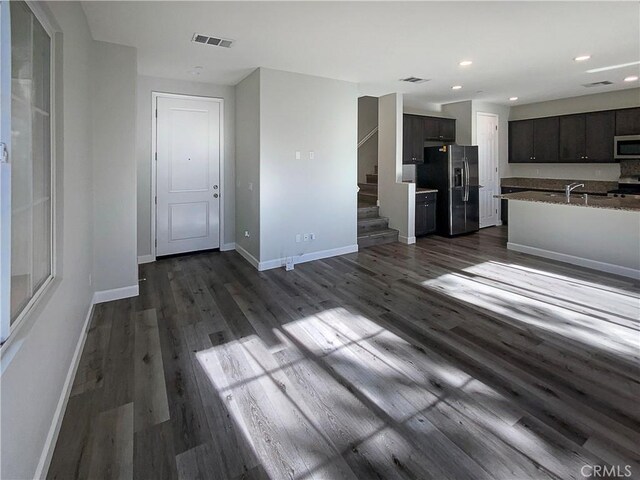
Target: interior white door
187, 175
487, 136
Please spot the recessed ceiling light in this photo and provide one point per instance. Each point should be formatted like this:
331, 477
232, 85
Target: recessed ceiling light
465, 63
582, 58
456, 87
632, 78
513, 99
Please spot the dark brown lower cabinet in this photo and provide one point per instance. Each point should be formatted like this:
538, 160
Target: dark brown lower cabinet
425, 213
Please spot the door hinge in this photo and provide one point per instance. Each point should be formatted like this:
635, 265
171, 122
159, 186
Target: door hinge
496, 128
156, 113
156, 156
156, 199
156, 243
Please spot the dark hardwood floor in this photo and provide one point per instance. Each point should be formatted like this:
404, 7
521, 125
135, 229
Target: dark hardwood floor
451, 358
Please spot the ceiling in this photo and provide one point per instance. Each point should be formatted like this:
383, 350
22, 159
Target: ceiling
522, 49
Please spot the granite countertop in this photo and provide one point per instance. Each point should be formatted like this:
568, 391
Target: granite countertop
557, 184
425, 190
592, 201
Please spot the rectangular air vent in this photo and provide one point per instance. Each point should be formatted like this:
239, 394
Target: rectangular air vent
215, 41
414, 80
597, 84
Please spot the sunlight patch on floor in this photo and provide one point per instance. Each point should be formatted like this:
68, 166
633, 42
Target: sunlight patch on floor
545, 314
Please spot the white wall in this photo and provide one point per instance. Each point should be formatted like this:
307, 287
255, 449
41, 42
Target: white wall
463, 113
585, 103
307, 114
397, 200
36, 358
114, 72
247, 190
147, 85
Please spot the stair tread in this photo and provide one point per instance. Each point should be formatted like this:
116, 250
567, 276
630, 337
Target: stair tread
378, 233
372, 219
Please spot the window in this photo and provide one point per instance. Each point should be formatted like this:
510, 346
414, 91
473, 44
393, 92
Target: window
30, 162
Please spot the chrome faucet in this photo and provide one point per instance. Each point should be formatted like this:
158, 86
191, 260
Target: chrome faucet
569, 188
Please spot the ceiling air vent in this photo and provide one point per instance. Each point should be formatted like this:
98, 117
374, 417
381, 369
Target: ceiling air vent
597, 84
215, 41
414, 80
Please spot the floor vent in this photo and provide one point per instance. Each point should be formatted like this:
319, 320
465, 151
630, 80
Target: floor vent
214, 41
597, 84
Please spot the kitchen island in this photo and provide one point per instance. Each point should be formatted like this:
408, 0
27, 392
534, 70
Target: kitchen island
597, 232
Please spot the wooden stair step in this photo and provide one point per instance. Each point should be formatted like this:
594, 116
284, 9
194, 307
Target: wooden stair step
372, 224
378, 237
368, 188
368, 212
372, 178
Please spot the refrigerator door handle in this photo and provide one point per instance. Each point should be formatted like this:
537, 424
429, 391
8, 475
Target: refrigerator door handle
467, 179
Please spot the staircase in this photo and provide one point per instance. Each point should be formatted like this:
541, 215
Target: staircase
368, 194
374, 229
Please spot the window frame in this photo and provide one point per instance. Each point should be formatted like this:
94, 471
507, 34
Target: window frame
7, 327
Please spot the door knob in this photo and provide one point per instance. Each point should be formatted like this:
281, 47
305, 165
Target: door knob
215, 195
215, 187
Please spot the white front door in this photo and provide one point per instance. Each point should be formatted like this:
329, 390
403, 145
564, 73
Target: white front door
487, 136
187, 174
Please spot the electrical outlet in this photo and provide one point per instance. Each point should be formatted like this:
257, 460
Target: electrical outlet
289, 265
298, 238
305, 237
246, 233
251, 186
297, 155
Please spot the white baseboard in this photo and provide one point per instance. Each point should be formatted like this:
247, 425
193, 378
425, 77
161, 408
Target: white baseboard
115, 294
307, 257
247, 256
406, 240
146, 259
226, 247
583, 262
54, 430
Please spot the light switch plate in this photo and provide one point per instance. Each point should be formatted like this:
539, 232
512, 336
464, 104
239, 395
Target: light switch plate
297, 155
312, 155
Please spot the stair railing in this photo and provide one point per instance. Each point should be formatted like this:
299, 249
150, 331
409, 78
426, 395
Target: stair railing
368, 136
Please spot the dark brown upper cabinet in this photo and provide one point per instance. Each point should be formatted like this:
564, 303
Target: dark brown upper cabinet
439, 129
533, 141
577, 138
413, 139
417, 129
628, 121
587, 138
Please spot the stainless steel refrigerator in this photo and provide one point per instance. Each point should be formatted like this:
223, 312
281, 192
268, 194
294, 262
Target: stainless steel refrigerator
453, 171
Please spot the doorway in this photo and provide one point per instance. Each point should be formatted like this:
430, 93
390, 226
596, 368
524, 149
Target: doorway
188, 194
488, 162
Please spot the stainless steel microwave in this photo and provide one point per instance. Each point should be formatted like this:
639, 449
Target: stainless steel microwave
626, 146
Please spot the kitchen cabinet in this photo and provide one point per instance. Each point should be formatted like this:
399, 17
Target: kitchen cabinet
439, 129
577, 138
587, 137
628, 121
425, 213
413, 139
417, 129
533, 141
